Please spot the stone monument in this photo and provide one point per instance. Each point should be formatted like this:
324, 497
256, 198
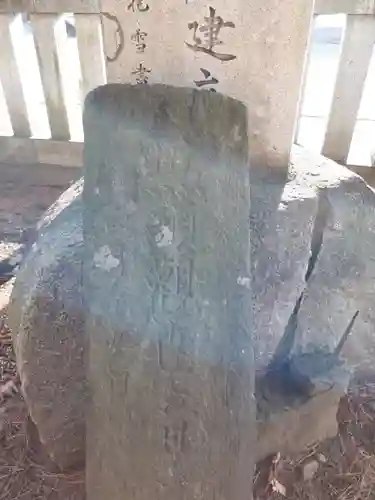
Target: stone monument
253, 51
167, 291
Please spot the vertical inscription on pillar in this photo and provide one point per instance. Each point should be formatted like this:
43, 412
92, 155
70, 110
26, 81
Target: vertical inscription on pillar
139, 40
139, 6
206, 39
208, 79
140, 73
206, 35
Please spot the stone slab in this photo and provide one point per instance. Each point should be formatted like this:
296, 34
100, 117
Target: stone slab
166, 280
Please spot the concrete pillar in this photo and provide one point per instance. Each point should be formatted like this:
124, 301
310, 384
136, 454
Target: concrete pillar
167, 289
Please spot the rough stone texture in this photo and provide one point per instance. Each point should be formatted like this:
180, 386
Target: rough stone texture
306, 377
321, 207
166, 281
343, 278
282, 219
46, 318
294, 428
295, 411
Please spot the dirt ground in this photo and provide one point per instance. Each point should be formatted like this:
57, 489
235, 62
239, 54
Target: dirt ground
25, 471
342, 468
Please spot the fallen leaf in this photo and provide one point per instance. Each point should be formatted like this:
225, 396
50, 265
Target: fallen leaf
277, 487
310, 469
8, 389
322, 459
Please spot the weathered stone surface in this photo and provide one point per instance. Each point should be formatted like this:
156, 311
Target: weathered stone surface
308, 373
282, 219
312, 368
46, 318
292, 429
343, 278
296, 409
166, 273
322, 207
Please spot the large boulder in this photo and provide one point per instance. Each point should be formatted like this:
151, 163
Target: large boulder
296, 406
283, 211
47, 321
312, 269
343, 275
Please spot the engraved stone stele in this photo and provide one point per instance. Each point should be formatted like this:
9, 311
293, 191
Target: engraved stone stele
253, 51
166, 286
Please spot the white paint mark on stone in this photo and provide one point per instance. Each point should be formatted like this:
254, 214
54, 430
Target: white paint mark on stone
244, 281
131, 207
164, 238
236, 133
145, 344
105, 260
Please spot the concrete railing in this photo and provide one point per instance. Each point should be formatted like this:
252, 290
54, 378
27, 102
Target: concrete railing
63, 147
353, 64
